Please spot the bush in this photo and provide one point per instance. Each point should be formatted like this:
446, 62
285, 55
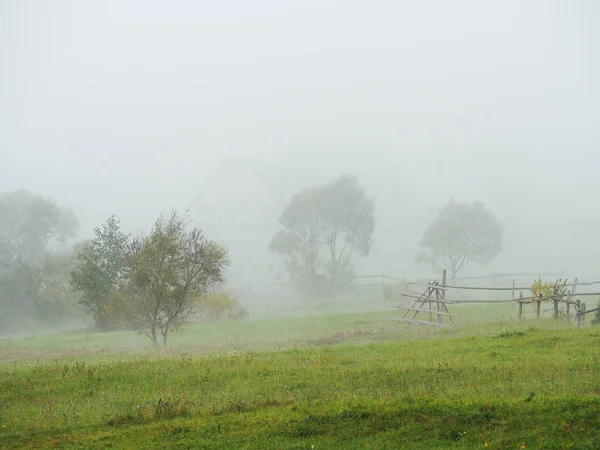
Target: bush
220, 306
547, 291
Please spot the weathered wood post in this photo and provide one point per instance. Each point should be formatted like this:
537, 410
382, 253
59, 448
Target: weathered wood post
538, 306
568, 309
573, 292
583, 309
520, 306
443, 295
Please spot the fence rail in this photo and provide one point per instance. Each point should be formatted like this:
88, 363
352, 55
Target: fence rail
440, 290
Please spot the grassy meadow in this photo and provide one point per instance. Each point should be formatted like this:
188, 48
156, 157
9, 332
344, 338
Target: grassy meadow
327, 381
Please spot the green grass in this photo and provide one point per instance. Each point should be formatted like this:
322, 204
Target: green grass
344, 381
253, 331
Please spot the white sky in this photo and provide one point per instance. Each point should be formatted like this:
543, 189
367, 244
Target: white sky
130, 106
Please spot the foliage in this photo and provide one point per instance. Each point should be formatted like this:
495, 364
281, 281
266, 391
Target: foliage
541, 290
30, 227
102, 269
324, 227
116, 310
462, 234
218, 306
548, 291
18, 290
55, 301
170, 269
29, 223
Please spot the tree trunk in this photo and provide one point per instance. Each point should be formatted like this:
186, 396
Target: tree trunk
453, 273
154, 337
164, 335
101, 324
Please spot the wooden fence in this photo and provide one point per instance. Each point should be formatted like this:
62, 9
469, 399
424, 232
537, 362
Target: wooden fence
435, 297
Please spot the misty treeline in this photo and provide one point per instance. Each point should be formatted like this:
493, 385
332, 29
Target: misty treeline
153, 284
325, 227
149, 284
36, 261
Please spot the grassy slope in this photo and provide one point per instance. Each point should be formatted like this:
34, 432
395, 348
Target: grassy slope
534, 388
269, 334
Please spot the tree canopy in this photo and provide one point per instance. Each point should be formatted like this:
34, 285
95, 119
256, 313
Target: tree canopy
462, 234
171, 270
102, 269
30, 227
29, 223
324, 228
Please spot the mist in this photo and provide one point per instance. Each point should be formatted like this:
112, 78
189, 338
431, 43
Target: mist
133, 108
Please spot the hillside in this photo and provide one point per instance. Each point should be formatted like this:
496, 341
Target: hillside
527, 387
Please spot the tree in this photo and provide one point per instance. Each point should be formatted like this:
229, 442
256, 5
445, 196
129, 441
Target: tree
463, 233
171, 270
30, 226
55, 301
324, 227
29, 223
102, 269
18, 290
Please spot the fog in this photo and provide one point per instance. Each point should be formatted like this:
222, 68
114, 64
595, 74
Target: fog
230, 107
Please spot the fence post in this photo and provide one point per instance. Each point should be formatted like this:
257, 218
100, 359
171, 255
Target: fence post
539, 304
521, 306
568, 306
437, 304
583, 308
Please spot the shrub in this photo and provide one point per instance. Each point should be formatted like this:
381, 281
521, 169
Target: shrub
219, 306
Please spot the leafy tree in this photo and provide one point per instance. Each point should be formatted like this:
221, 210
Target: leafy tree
462, 234
30, 226
18, 290
55, 301
324, 227
171, 270
29, 223
102, 269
